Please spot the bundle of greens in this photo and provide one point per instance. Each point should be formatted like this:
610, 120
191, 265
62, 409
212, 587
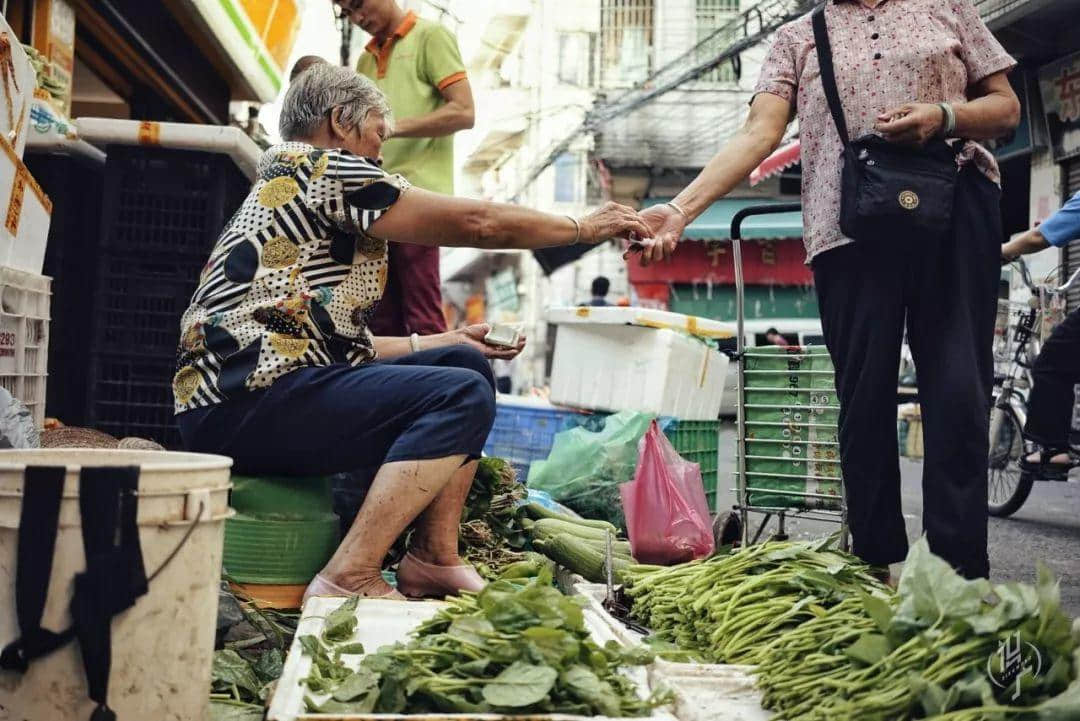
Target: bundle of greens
252, 659
490, 537
933, 650
728, 607
512, 648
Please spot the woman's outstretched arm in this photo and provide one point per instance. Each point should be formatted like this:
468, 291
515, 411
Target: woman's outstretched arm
427, 218
759, 136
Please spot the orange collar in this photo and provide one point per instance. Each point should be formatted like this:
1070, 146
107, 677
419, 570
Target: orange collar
382, 52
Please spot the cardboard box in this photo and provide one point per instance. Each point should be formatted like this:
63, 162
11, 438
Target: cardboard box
54, 37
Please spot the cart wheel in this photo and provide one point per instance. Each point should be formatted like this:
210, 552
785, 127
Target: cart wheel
727, 529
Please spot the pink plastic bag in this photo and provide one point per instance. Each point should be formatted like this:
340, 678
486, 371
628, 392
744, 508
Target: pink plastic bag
667, 515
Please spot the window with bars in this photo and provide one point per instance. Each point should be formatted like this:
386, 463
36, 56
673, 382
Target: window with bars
568, 178
626, 41
708, 16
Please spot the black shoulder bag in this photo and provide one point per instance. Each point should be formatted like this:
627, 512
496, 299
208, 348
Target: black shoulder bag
887, 190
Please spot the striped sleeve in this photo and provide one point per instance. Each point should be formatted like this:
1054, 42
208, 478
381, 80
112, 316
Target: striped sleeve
362, 191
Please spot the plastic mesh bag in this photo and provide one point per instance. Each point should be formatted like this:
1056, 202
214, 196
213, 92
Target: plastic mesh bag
585, 467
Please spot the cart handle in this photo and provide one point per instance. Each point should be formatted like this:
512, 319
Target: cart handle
743, 213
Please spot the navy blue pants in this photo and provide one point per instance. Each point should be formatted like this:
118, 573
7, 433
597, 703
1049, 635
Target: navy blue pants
945, 292
340, 418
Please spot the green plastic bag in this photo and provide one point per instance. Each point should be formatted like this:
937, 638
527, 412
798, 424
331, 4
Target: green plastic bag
585, 467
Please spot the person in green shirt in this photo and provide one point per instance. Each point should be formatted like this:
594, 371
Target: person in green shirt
417, 64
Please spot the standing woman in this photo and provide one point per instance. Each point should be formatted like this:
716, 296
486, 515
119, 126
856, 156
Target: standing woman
911, 71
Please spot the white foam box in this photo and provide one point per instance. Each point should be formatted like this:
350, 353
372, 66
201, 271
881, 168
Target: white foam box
25, 212
638, 359
19, 83
383, 622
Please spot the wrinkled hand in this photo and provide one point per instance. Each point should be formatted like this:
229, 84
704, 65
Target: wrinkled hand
473, 336
910, 123
666, 227
612, 220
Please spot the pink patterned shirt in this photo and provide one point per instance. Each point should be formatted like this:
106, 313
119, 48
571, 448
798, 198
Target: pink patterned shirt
926, 51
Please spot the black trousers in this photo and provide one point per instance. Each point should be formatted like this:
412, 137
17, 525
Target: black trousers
945, 290
1055, 372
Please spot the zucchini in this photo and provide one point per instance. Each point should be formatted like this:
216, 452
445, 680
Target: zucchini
618, 548
579, 557
553, 527
538, 512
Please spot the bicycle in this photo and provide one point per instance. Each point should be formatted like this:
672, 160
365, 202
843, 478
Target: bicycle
1009, 485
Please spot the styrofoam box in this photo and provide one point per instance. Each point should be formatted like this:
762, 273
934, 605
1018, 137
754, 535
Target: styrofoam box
28, 210
383, 622
636, 359
24, 337
15, 101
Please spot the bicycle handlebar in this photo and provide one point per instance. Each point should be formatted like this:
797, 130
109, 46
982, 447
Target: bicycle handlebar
1025, 275
1069, 283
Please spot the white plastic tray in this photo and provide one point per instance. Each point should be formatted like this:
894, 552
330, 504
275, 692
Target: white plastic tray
386, 622
703, 691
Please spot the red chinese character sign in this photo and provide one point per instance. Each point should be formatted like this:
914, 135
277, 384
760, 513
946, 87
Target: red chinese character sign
769, 262
1059, 84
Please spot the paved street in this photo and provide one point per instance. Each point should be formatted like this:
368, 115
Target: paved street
1046, 528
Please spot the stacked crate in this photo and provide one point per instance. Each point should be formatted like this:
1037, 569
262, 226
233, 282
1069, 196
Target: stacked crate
24, 338
791, 443
162, 212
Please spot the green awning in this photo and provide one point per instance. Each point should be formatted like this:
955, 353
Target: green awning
715, 223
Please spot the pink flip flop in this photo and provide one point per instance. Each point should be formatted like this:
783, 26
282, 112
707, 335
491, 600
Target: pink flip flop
319, 586
417, 579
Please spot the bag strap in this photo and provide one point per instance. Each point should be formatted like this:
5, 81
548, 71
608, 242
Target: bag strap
43, 488
114, 575
828, 75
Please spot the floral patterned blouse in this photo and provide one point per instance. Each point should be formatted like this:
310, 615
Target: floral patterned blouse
293, 278
925, 51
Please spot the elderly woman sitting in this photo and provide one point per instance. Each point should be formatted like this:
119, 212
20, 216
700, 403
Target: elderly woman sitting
276, 366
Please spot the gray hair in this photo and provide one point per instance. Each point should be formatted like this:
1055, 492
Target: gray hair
323, 87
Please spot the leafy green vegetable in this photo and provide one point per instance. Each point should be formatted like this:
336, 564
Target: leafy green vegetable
362, 682
221, 710
341, 622
230, 669
511, 648
520, 684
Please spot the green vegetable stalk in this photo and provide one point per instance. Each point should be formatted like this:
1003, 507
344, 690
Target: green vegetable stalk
730, 606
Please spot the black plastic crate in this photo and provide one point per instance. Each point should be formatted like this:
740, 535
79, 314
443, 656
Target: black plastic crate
74, 186
139, 303
132, 396
172, 202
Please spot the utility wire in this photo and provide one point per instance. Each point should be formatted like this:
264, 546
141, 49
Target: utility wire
729, 40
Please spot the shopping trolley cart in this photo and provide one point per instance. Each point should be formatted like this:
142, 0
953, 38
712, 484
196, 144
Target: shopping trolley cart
788, 453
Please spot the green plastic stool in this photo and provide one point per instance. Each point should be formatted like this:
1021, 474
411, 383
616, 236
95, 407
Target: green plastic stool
278, 552
284, 530
283, 498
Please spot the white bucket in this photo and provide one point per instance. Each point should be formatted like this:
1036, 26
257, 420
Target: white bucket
162, 647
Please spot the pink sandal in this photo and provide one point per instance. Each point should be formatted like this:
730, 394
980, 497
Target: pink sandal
417, 579
320, 586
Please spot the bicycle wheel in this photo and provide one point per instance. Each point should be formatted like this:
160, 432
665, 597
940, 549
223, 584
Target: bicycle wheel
1008, 485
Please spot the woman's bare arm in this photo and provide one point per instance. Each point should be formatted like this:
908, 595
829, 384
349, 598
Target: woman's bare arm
427, 218
759, 136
